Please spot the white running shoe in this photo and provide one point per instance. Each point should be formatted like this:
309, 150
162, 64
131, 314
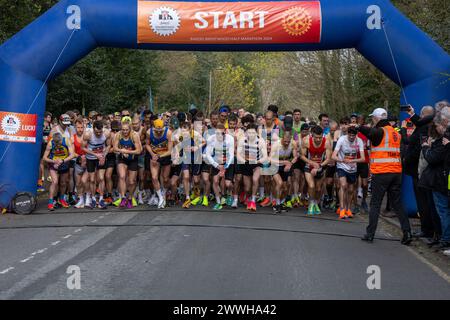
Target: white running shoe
80, 204
88, 202
140, 198
162, 203
153, 201
360, 193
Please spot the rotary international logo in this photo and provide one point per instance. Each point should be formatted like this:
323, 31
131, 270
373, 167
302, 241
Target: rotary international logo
11, 124
297, 21
164, 21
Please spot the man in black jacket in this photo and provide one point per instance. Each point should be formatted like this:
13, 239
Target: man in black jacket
435, 176
429, 219
386, 173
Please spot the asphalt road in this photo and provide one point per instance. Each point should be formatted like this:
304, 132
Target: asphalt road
198, 254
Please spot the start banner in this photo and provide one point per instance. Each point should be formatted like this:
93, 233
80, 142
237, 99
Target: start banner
281, 22
18, 127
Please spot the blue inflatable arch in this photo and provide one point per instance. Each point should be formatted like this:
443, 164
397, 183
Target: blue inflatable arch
27, 62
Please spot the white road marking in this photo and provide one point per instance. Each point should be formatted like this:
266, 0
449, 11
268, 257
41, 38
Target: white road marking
7, 270
101, 217
67, 237
42, 250
27, 259
55, 243
94, 220
78, 230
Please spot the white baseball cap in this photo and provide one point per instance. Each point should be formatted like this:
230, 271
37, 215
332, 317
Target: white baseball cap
379, 113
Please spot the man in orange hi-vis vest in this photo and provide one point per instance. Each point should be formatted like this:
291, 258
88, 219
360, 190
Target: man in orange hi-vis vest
386, 170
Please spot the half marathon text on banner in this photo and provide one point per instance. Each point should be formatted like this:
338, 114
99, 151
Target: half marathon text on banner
229, 22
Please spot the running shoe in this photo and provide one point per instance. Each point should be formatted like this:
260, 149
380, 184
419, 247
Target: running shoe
284, 208
342, 214
217, 207
88, 202
187, 204
310, 211
134, 202
197, 200
223, 201
242, 197
317, 209
356, 209
80, 204
338, 210
252, 206
123, 203
72, 199
266, 202
153, 201
235, 204
276, 209
51, 207
162, 203
63, 203
129, 204
260, 199
249, 205
288, 204
102, 204
349, 214
108, 200
205, 201
229, 201
141, 198
117, 202
296, 202
93, 203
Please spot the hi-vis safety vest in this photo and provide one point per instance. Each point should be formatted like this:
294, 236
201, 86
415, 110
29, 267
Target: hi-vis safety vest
385, 158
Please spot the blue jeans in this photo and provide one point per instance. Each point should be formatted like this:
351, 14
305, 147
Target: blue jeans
441, 202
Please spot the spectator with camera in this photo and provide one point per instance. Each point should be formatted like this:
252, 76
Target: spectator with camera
435, 151
411, 148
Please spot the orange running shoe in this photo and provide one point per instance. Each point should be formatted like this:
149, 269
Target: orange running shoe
265, 203
338, 210
349, 213
342, 214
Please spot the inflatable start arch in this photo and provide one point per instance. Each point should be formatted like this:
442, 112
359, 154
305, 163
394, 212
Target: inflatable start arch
73, 28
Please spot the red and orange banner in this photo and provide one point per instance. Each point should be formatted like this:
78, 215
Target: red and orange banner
18, 127
281, 22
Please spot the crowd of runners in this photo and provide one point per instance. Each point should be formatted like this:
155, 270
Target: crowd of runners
229, 158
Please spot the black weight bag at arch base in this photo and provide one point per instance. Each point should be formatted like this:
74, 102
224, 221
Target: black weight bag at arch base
23, 203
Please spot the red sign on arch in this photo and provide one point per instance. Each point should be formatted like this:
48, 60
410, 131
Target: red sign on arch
229, 22
18, 127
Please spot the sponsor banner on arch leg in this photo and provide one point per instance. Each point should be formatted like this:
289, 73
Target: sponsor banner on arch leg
281, 22
18, 127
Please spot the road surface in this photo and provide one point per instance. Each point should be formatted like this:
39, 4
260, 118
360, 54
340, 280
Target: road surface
201, 254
